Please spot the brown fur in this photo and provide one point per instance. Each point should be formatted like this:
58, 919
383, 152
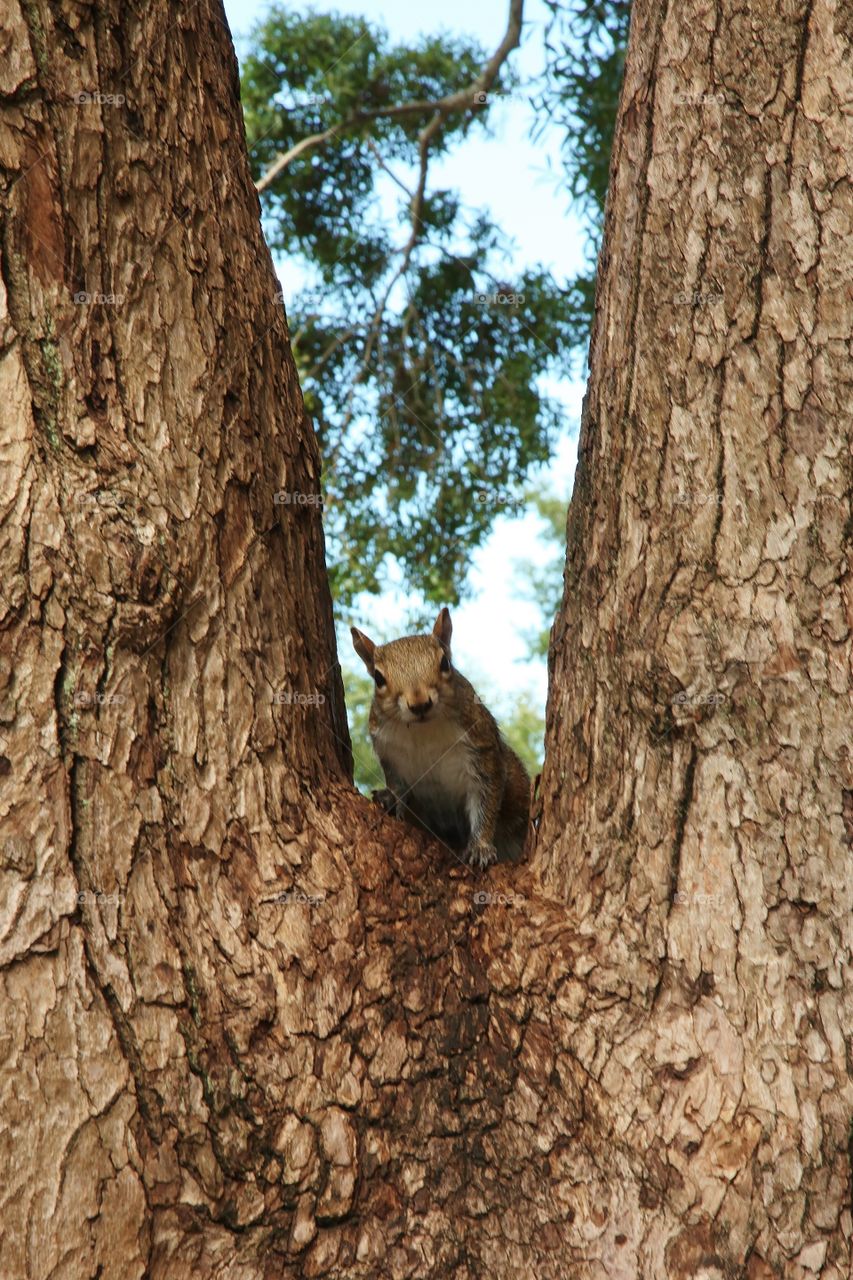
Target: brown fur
447, 767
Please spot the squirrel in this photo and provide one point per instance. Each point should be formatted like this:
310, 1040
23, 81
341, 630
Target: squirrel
447, 768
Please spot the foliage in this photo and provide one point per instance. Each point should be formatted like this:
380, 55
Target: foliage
421, 364
523, 727
367, 771
586, 43
541, 580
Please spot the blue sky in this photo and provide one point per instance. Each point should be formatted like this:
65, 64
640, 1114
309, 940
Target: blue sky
509, 176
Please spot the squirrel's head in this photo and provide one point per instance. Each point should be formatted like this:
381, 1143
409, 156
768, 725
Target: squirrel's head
411, 675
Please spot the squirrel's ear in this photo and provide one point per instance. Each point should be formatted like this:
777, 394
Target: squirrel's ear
364, 647
443, 630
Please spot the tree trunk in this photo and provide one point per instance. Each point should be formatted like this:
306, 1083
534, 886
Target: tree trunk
697, 801
252, 1027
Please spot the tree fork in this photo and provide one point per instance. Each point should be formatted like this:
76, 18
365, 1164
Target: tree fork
255, 1028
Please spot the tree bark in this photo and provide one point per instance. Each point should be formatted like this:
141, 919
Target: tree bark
698, 793
252, 1027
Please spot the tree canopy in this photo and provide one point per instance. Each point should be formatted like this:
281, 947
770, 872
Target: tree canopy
422, 354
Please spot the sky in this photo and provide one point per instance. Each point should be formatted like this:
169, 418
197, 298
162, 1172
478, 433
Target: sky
507, 175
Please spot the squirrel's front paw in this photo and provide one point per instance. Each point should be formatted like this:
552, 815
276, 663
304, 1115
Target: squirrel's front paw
481, 854
387, 800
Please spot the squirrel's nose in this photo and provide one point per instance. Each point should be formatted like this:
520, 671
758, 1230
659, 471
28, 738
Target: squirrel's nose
419, 708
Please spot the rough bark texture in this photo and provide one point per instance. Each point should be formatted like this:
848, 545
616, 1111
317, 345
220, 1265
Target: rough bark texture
697, 799
252, 1028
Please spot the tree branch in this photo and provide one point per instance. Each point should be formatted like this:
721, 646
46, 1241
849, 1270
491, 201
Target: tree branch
462, 100
391, 174
441, 108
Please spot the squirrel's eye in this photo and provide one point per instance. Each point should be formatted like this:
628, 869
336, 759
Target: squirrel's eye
380, 679
444, 665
